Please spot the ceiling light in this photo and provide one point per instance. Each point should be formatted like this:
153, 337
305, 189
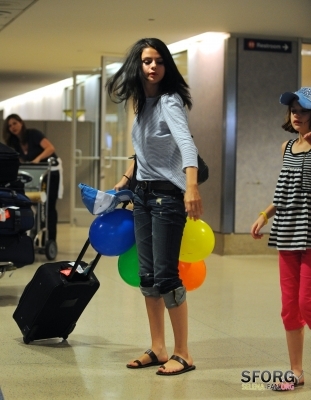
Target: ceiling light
114, 67
210, 38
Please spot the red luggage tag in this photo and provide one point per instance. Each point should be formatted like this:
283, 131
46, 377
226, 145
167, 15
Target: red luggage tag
4, 214
67, 271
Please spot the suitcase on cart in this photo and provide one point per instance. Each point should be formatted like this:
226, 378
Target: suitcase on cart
9, 163
16, 215
17, 249
54, 299
16, 218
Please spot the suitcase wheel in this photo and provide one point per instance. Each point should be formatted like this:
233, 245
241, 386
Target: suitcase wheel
71, 328
26, 340
51, 249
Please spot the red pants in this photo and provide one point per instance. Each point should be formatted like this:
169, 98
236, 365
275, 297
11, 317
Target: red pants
295, 280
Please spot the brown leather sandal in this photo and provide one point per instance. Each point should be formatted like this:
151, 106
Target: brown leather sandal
154, 361
186, 366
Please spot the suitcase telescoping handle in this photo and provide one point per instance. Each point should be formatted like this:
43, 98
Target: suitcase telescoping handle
93, 263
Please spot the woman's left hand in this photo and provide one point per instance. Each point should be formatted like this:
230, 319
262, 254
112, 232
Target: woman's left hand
193, 202
192, 198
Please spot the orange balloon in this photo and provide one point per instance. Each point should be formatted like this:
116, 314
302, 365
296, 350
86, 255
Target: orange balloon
192, 274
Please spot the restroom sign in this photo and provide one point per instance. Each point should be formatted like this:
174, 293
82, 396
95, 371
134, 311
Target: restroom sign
276, 46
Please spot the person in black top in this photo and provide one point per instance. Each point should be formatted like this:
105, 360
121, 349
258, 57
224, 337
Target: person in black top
34, 147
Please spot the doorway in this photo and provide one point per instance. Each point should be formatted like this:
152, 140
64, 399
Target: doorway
84, 111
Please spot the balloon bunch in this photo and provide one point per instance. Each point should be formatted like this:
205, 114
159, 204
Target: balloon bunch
112, 234
197, 243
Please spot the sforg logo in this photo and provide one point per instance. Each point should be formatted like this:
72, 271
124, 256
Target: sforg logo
261, 380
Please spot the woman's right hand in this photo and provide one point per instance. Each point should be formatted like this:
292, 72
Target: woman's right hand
125, 181
122, 184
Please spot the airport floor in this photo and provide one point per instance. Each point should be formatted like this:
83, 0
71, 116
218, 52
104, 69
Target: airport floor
234, 326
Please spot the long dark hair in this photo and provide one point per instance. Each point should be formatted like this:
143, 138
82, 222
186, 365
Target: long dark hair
128, 81
10, 139
287, 126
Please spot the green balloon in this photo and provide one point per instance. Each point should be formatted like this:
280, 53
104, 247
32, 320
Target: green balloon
128, 267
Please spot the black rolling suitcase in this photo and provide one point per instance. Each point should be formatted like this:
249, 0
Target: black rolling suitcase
54, 299
9, 164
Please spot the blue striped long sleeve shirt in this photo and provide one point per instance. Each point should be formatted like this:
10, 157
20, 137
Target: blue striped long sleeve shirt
162, 141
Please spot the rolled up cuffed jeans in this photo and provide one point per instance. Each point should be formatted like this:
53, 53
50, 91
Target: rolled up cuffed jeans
159, 224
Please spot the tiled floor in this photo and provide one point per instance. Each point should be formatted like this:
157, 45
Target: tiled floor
234, 326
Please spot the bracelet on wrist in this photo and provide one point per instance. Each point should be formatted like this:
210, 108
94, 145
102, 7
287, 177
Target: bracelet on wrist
127, 178
265, 216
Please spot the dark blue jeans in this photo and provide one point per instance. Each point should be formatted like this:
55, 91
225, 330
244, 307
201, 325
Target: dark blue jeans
159, 224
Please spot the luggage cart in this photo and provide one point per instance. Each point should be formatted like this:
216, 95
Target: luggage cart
36, 178
6, 266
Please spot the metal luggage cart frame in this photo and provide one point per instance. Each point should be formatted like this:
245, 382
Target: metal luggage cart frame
6, 266
33, 177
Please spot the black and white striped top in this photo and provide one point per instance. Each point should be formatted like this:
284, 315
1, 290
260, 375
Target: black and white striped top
162, 141
291, 228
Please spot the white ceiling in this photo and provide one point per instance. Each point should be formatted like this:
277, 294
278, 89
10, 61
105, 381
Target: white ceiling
43, 41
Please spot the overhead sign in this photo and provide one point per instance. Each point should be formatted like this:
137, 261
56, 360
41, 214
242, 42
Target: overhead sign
276, 46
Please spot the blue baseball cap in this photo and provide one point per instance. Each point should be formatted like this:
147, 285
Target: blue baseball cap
303, 96
98, 202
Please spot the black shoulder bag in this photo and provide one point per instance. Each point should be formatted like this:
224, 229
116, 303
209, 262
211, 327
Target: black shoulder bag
203, 172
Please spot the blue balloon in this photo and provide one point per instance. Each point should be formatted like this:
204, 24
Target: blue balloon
112, 234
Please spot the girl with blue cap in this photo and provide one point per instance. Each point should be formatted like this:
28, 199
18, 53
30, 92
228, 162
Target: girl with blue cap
291, 229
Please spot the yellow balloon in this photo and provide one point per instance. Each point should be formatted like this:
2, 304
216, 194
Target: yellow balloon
198, 241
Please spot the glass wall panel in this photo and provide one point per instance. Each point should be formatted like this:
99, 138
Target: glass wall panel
84, 110
116, 138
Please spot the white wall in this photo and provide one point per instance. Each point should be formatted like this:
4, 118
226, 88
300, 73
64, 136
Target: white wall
206, 81
46, 103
